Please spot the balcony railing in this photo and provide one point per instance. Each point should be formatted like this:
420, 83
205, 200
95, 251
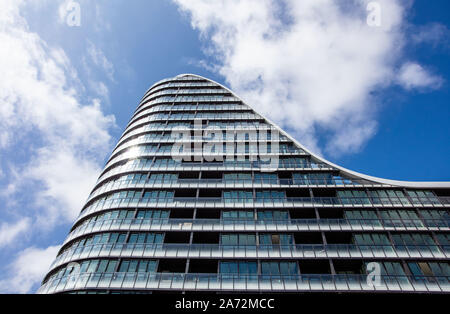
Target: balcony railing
217, 251
249, 283
192, 139
186, 166
152, 126
231, 183
288, 202
293, 225
236, 155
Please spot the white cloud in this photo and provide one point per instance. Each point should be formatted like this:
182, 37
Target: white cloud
413, 75
306, 64
62, 194
9, 232
433, 33
352, 136
102, 23
62, 11
41, 114
28, 269
53, 143
99, 59
100, 89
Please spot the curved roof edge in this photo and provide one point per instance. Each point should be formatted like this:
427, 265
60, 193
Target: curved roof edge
408, 184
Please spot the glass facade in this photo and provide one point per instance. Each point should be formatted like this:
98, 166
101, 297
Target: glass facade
202, 193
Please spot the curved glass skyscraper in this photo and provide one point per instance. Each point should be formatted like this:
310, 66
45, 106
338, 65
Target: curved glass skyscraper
202, 193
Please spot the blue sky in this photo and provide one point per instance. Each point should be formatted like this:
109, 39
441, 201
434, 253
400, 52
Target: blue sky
372, 99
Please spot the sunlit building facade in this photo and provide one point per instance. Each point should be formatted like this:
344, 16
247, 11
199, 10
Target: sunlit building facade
204, 194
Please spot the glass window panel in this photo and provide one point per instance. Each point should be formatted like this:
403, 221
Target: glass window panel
92, 266
252, 268
243, 268
111, 266
124, 266
274, 268
121, 238
224, 268
102, 266
284, 268
141, 238
159, 238
233, 267
415, 269
265, 268
113, 238
133, 266
133, 238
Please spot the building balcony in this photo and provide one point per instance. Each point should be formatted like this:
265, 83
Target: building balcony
211, 166
230, 184
154, 117
152, 126
217, 251
167, 139
213, 93
190, 109
178, 85
289, 202
213, 155
249, 283
293, 225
